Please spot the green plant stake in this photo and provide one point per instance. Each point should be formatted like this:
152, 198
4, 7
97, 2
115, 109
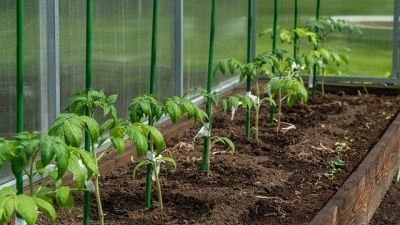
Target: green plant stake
149, 167
88, 85
314, 85
20, 85
249, 59
206, 144
295, 43
20, 80
274, 37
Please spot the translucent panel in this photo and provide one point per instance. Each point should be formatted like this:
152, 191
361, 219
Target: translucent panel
230, 39
375, 19
121, 48
8, 71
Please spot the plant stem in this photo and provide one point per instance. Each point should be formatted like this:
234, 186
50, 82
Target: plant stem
159, 193
149, 169
97, 190
30, 174
323, 81
258, 106
279, 110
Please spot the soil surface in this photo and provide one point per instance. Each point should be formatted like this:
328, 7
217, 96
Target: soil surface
278, 180
388, 212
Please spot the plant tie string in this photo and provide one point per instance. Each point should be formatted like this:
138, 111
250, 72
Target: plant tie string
89, 183
156, 160
253, 97
205, 131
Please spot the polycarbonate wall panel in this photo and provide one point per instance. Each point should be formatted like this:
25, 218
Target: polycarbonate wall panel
8, 65
371, 52
230, 37
121, 48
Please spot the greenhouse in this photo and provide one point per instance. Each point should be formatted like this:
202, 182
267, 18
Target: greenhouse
200, 112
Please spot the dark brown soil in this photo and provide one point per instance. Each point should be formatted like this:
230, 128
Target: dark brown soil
388, 212
278, 180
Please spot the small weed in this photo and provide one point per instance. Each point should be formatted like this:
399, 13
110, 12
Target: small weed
335, 166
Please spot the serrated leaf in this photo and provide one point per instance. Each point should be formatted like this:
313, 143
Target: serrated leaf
73, 132
62, 160
7, 191
92, 127
139, 165
46, 207
88, 161
139, 139
119, 144
63, 195
157, 138
76, 171
26, 208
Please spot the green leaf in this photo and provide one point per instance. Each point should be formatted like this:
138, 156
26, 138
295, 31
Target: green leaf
63, 195
119, 144
46, 207
62, 160
92, 127
73, 132
76, 171
7, 191
7, 204
139, 165
157, 137
26, 208
173, 110
112, 99
46, 152
224, 140
170, 160
138, 138
88, 161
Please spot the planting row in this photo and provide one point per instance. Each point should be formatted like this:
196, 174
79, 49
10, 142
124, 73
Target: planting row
91, 119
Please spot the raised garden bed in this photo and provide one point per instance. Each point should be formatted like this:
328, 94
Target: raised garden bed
388, 211
279, 180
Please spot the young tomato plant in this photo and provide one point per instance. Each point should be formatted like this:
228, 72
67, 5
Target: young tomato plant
213, 98
261, 66
287, 85
147, 106
324, 55
72, 126
37, 155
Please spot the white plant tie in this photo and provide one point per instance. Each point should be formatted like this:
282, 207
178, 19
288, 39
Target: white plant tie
233, 111
311, 79
321, 64
19, 221
89, 183
157, 161
253, 97
205, 131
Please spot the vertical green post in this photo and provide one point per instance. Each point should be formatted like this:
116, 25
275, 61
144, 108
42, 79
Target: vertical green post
149, 168
296, 38
20, 81
314, 86
88, 85
206, 144
249, 59
274, 37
